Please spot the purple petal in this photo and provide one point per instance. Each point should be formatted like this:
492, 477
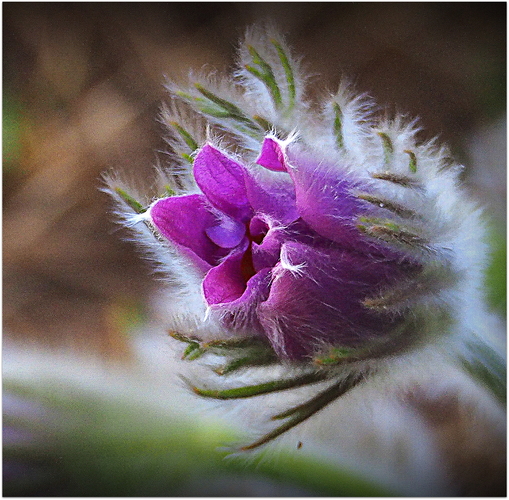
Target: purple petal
183, 220
258, 228
325, 201
233, 283
316, 298
256, 289
240, 314
274, 197
228, 233
225, 283
266, 244
222, 181
272, 156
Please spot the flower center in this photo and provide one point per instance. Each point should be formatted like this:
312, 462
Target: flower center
256, 230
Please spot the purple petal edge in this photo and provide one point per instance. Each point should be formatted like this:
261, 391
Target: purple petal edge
272, 156
183, 220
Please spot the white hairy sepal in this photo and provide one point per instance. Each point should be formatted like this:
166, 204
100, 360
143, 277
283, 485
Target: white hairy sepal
353, 112
443, 214
187, 132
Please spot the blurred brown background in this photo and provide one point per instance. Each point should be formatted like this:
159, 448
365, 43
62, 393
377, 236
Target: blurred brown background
82, 86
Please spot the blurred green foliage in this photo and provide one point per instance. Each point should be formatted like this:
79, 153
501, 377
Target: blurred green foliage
496, 274
99, 446
11, 130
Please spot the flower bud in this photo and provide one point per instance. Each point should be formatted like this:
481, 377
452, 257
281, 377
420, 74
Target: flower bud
316, 240
283, 256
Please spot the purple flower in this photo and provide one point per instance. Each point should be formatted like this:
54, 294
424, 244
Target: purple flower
280, 250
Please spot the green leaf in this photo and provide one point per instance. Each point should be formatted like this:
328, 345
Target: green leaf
489, 368
186, 136
387, 205
264, 124
290, 79
412, 165
213, 105
496, 274
400, 180
247, 357
134, 204
387, 146
338, 125
266, 75
248, 391
299, 413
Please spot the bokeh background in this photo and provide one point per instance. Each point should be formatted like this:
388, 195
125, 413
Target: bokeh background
83, 84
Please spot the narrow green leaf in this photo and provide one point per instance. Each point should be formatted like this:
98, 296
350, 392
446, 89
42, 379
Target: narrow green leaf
134, 204
387, 146
169, 191
244, 362
266, 75
223, 103
375, 221
204, 105
187, 157
193, 351
263, 123
180, 337
302, 412
290, 79
259, 389
216, 107
236, 342
387, 205
338, 125
412, 165
496, 273
489, 368
335, 356
186, 136
390, 232
401, 180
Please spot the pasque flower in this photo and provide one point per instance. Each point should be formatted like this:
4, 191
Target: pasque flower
313, 238
281, 254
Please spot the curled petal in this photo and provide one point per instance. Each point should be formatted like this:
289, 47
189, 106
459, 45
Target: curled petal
272, 156
184, 220
266, 252
222, 181
258, 228
228, 233
226, 284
